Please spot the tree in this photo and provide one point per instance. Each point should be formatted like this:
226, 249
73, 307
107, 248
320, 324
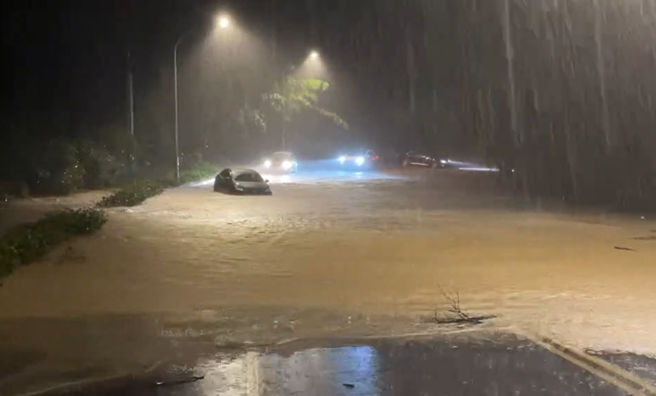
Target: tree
292, 96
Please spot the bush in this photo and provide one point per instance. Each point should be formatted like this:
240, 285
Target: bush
102, 168
197, 172
132, 194
28, 242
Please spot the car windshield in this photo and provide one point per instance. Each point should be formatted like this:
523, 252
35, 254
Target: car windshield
232, 185
281, 157
249, 177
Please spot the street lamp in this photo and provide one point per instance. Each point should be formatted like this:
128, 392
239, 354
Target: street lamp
224, 22
314, 55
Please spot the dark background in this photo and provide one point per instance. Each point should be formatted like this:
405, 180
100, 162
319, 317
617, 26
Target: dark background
67, 61
404, 73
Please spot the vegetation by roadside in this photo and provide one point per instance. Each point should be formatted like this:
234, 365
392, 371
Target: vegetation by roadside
132, 194
28, 242
196, 172
136, 192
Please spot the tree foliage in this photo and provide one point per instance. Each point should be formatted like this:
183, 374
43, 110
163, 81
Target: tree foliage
292, 96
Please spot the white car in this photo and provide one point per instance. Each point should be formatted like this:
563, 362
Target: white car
359, 161
282, 161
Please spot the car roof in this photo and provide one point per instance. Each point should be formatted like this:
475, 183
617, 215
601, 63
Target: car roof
241, 171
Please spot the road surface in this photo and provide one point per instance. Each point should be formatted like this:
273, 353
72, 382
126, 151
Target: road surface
327, 255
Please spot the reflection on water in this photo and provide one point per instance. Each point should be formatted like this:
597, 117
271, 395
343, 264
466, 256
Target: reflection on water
236, 376
348, 370
479, 169
501, 367
472, 364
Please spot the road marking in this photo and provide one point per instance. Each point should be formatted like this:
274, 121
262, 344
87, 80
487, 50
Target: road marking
614, 375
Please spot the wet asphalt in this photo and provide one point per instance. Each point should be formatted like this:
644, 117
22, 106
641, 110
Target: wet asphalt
477, 363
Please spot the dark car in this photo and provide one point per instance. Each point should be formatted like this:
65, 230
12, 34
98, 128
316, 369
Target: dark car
413, 158
241, 181
282, 161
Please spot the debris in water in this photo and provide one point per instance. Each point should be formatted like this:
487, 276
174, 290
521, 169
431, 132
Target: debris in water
181, 381
350, 386
646, 238
625, 248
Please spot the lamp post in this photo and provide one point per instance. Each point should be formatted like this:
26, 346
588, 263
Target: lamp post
224, 22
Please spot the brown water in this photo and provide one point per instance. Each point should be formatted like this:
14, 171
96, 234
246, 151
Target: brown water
323, 258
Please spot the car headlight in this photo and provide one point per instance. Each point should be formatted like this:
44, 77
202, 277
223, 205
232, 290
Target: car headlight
443, 161
238, 187
341, 159
286, 165
267, 164
359, 161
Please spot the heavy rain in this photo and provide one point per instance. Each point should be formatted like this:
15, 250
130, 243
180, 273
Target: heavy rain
381, 197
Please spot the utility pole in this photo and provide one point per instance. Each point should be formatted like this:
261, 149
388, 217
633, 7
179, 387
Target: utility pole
130, 99
510, 60
601, 72
131, 112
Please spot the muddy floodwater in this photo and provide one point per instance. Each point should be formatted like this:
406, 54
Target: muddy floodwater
355, 255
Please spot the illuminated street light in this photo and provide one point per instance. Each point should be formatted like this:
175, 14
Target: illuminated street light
224, 23
314, 55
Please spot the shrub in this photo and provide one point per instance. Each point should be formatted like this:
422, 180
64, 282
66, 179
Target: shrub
132, 194
102, 168
197, 172
54, 168
28, 242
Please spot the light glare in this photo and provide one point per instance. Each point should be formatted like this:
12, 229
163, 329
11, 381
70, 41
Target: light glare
224, 21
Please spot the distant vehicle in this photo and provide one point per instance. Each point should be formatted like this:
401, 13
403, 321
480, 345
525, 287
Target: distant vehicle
366, 160
281, 161
413, 158
241, 181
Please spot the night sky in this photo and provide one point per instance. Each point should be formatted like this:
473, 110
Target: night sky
68, 60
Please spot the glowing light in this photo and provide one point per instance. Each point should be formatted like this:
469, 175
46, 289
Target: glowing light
314, 55
267, 164
359, 161
342, 159
287, 165
224, 21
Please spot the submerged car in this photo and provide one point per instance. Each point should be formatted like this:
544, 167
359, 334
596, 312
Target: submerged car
281, 161
241, 181
365, 160
413, 158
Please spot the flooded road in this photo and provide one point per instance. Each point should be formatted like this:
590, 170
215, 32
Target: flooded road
327, 255
474, 364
